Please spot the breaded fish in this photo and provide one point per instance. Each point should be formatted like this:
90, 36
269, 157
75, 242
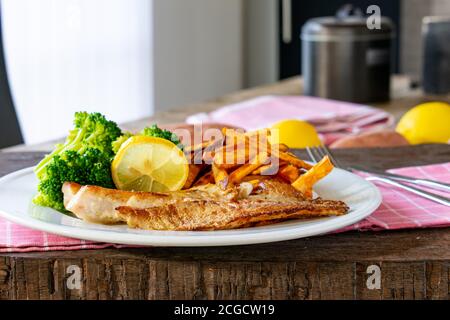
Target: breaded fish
98, 205
202, 208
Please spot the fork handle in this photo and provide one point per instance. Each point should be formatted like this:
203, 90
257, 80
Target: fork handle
433, 184
431, 196
423, 182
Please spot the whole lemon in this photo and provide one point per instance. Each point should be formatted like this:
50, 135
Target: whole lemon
295, 134
426, 123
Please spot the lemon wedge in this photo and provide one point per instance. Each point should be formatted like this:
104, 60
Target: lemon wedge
426, 123
295, 134
149, 164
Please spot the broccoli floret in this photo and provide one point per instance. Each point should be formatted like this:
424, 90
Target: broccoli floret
92, 130
85, 157
92, 167
155, 131
120, 140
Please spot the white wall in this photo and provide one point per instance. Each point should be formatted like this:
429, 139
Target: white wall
65, 56
124, 58
198, 50
261, 42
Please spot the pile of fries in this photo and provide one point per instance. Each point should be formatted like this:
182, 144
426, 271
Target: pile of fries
238, 157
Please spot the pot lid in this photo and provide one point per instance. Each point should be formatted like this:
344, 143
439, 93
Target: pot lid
349, 23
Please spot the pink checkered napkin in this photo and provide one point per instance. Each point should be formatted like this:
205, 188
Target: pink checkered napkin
402, 210
399, 210
332, 119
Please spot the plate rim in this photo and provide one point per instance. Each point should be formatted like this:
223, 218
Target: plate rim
189, 240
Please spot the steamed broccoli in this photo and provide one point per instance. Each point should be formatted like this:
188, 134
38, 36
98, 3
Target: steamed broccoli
85, 157
154, 131
90, 167
116, 144
92, 130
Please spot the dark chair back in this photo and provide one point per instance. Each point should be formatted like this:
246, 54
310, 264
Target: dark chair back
9, 126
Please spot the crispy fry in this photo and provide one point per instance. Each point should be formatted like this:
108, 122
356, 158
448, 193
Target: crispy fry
233, 133
253, 177
208, 157
220, 177
194, 170
292, 159
306, 181
209, 151
247, 153
253, 182
237, 175
280, 146
261, 169
240, 148
237, 154
205, 179
197, 147
271, 168
231, 155
289, 172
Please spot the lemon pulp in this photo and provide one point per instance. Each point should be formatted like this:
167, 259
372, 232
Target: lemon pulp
149, 164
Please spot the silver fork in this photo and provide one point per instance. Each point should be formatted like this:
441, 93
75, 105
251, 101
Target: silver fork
317, 153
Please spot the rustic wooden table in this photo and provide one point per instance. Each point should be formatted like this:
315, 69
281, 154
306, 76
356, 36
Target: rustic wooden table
411, 264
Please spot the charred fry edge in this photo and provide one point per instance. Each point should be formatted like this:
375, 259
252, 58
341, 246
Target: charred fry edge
237, 175
220, 177
306, 181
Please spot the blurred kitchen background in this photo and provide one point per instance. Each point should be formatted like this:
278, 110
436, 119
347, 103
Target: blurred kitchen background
132, 58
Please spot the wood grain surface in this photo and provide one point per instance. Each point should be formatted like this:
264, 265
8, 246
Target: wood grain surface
413, 264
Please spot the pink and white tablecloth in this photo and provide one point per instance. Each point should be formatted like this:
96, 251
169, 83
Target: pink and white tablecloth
399, 210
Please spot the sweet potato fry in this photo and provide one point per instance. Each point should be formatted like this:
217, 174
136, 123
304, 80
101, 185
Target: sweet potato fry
255, 141
271, 168
289, 172
292, 159
194, 170
261, 169
237, 175
231, 155
209, 151
205, 179
306, 181
253, 177
280, 147
220, 176
197, 147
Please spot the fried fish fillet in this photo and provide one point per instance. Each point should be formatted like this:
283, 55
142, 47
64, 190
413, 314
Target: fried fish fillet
98, 205
203, 208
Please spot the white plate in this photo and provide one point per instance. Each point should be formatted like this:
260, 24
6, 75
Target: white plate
18, 188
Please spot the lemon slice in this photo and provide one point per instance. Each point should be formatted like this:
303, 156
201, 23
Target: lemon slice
149, 164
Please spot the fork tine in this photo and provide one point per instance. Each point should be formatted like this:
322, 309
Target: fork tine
332, 158
311, 154
315, 154
320, 152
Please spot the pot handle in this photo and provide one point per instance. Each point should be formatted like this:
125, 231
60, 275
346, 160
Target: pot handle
348, 10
